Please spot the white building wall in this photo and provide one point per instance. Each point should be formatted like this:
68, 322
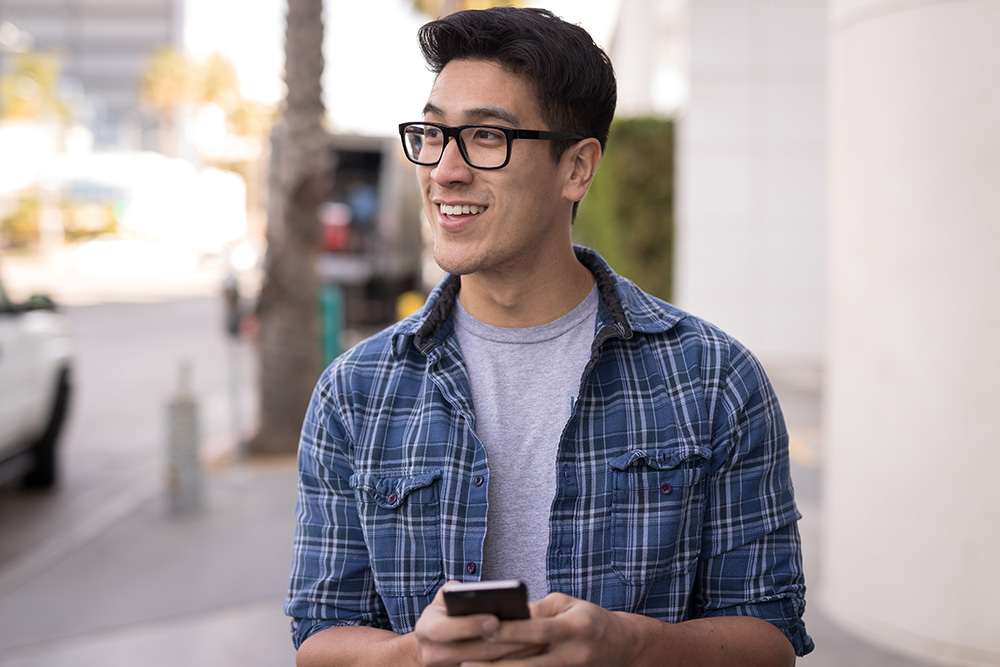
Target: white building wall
910, 540
751, 175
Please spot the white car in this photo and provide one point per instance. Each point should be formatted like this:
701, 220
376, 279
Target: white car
35, 387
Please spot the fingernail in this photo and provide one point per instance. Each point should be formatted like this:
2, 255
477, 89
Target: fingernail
491, 627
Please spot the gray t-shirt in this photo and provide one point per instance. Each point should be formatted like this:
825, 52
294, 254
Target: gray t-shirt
524, 382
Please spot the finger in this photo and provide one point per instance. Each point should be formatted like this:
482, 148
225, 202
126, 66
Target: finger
535, 631
476, 652
439, 596
439, 628
536, 660
550, 605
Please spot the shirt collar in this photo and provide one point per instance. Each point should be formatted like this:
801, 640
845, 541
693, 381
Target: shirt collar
630, 308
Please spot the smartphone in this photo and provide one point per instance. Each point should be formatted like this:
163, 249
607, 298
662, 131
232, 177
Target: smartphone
506, 599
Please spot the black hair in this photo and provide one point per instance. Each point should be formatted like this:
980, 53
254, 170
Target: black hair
573, 78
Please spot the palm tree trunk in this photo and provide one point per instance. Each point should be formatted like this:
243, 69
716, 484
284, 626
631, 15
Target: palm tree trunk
289, 337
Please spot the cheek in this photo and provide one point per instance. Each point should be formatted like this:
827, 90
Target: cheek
533, 193
423, 179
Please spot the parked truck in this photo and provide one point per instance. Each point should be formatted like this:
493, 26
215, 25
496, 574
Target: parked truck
371, 229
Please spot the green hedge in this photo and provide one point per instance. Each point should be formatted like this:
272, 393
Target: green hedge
628, 214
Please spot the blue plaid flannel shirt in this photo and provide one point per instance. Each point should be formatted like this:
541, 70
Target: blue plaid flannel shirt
674, 498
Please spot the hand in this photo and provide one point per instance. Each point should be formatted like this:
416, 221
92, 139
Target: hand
447, 641
576, 633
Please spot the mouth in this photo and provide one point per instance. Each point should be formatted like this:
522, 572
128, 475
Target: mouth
460, 211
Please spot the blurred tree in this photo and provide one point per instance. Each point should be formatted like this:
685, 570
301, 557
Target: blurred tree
445, 7
288, 308
628, 213
250, 118
169, 83
173, 81
19, 227
30, 90
218, 82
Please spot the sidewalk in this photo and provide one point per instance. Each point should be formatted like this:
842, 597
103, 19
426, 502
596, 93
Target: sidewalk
158, 591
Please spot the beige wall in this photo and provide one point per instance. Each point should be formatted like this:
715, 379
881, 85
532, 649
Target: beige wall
911, 545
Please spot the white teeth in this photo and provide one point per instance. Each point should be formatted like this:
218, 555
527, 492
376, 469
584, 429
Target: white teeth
462, 209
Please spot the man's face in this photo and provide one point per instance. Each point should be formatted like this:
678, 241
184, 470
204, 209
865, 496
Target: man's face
517, 215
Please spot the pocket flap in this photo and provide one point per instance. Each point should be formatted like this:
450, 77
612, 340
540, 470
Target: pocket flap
390, 491
661, 459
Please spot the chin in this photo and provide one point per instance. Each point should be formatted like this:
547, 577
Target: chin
451, 265
457, 261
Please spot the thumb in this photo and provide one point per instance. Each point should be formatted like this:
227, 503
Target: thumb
550, 605
439, 596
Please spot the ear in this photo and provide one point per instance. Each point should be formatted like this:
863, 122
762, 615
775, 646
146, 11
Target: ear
580, 162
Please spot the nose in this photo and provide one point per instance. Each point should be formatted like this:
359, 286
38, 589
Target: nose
452, 167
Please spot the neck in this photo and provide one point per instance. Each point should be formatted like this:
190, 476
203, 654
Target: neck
530, 296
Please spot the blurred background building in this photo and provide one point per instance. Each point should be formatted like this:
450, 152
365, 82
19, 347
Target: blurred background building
104, 47
752, 205
838, 201
120, 135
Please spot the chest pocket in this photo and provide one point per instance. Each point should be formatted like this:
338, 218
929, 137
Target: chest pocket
401, 519
656, 514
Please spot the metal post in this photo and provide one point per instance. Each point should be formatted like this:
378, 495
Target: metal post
231, 301
184, 484
332, 316
236, 398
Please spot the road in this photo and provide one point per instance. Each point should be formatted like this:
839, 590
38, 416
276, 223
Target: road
128, 357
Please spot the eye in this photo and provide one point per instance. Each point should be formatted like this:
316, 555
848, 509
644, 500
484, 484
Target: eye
432, 134
489, 137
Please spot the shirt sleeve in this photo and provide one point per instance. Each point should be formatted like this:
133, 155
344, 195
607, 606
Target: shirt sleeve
331, 580
751, 551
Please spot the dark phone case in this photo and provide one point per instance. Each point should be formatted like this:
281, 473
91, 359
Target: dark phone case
507, 604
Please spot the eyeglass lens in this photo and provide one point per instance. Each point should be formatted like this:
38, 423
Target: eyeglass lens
480, 146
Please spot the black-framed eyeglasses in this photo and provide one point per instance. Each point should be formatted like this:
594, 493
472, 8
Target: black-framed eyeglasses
482, 146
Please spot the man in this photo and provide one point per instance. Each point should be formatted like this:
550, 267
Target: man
540, 418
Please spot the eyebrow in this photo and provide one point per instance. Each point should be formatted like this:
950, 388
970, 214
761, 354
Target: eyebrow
479, 114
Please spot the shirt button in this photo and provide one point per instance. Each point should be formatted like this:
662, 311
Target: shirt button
666, 489
470, 567
392, 499
478, 481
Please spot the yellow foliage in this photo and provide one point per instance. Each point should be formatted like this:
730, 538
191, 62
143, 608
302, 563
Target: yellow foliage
445, 7
169, 80
30, 89
172, 80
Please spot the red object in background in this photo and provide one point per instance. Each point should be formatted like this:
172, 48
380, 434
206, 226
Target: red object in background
336, 237
336, 220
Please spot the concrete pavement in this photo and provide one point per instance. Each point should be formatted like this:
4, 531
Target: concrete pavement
162, 591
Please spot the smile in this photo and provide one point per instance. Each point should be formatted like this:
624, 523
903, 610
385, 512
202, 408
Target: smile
461, 209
